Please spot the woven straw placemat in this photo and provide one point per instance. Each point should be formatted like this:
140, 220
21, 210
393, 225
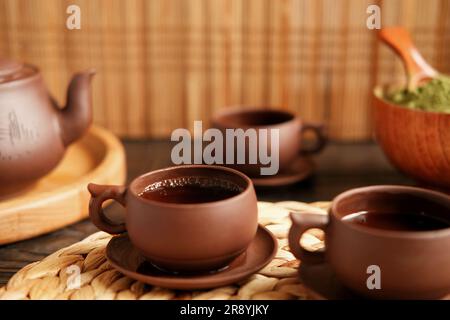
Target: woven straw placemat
52, 277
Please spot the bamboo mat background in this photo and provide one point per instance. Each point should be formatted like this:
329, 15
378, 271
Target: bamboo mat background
164, 63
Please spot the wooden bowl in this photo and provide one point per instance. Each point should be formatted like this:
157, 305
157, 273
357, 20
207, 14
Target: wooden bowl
416, 142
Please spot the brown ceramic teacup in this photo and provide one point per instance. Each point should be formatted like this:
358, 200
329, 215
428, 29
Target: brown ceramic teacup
291, 130
413, 263
180, 219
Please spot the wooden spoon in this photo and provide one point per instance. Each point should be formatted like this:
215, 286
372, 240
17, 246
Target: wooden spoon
417, 69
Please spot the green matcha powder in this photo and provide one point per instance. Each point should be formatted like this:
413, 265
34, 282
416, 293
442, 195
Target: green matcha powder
432, 96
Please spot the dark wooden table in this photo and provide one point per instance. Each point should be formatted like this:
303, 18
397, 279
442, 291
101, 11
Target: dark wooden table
339, 167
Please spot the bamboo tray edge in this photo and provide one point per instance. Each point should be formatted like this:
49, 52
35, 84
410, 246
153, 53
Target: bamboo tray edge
36, 213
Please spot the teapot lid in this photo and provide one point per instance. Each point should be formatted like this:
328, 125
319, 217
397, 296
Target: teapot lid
11, 70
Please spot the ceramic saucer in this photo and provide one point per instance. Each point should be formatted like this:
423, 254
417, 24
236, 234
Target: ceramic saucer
300, 169
127, 259
322, 284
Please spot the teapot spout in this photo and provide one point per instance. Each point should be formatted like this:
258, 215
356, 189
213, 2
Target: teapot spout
76, 116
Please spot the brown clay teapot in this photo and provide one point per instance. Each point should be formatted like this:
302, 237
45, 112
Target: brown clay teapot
34, 131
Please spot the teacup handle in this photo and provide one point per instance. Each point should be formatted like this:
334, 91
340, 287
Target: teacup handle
99, 194
321, 137
301, 222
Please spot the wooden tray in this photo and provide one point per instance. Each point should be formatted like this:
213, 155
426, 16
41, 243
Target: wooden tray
61, 198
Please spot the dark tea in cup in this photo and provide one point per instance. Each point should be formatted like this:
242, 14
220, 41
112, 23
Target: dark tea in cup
397, 221
193, 189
